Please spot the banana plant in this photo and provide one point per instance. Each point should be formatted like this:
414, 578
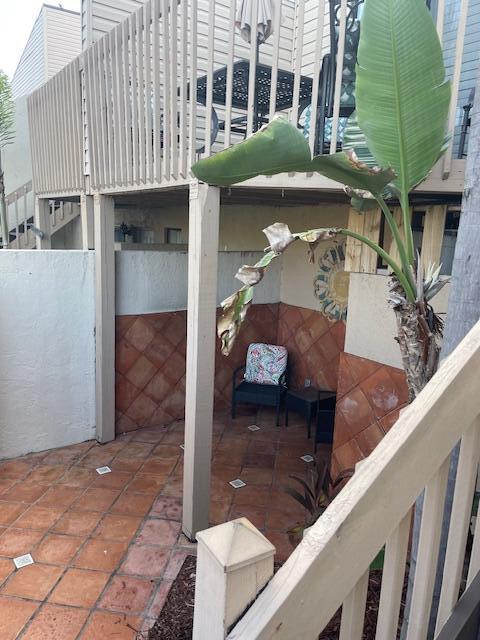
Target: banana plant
390, 146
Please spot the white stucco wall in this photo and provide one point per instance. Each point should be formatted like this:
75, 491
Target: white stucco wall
371, 326
47, 350
156, 281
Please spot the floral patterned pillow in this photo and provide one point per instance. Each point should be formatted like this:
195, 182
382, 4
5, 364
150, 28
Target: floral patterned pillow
266, 363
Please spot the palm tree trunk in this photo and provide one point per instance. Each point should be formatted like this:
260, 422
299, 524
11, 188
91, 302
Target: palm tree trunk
463, 313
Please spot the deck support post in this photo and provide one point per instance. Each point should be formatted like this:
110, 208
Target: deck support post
204, 216
87, 217
42, 224
104, 317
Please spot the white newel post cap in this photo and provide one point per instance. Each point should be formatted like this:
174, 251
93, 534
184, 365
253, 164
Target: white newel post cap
236, 544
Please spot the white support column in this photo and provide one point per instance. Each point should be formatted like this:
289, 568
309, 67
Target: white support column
201, 317
234, 563
104, 317
87, 218
42, 223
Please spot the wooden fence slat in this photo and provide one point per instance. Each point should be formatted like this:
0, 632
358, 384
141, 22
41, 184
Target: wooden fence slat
427, 555
210, 64
109, 130
147, 25
173, 95
134, 100
183, 139
127, 103
353, 611
252, 74
433, 232
353, 251
229, 81
298, 59
459, 522
167, 139
393, 577
316, 75
141, 95
157, 87
339, 75
275, 55
192, 131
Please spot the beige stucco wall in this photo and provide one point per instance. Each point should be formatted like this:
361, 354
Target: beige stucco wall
240, 225
371, 325
241, 229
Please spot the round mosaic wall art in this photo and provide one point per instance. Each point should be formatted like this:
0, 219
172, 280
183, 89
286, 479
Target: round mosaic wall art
331, 283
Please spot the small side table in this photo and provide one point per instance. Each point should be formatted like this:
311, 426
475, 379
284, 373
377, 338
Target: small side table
303, 401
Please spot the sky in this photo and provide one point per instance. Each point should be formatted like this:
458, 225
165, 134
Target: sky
16, 21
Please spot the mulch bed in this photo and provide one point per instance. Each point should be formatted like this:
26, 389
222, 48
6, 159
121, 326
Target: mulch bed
175, 621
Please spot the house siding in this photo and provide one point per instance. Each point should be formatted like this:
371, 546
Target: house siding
63, 39
30, 72
470, 54
53, 42
100, 16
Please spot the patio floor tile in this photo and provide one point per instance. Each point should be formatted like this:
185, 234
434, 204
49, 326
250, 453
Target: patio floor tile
159, 599
17, 542
168, 508
146, 561
117, 527
56, 622
14, 614
96, 500
46, 473
79, 588
33, 582
127, 594
117, 537
101, 555
159, 532
39, 518
15, 468
103, 625
132, 504
25, 492
10, 511
60, 496
6, 568
79, 523
57, 549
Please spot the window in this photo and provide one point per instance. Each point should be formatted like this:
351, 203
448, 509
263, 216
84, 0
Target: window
173, 236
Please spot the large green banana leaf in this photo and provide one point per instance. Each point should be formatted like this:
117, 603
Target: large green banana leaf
275, 148
354, 140
280, 147
345, 167
402, 97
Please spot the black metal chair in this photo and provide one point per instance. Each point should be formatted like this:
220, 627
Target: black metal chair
262, 395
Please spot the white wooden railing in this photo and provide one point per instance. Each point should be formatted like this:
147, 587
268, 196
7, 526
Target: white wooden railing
21, 222
56, 133
127, 114
330, 567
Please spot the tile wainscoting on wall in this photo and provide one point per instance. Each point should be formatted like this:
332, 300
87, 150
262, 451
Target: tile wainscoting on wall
151, 348
370, 397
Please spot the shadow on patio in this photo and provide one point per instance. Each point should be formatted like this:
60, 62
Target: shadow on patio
107, 547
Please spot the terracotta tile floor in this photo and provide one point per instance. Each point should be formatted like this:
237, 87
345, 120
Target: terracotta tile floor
106, 548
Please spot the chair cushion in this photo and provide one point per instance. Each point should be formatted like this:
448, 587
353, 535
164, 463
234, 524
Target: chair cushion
266, 363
